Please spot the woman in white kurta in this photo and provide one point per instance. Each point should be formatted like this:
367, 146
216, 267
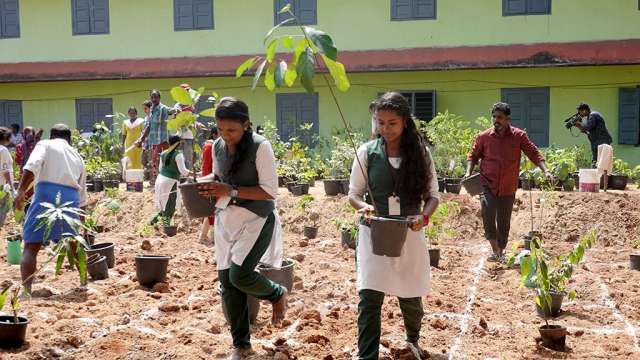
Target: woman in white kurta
172, 167
246, 224
399, 172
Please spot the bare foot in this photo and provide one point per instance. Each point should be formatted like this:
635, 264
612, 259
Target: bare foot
280, 308
240, 353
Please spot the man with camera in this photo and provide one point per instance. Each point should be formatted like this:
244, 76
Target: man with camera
592, 124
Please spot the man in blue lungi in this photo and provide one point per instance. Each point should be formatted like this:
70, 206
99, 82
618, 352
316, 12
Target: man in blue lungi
55, 167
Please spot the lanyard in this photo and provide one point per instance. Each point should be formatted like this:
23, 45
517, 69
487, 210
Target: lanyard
392, 170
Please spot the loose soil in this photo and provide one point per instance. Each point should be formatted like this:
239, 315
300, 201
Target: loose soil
476, 309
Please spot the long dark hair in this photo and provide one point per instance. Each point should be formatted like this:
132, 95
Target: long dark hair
230, 108
413, 169
173, 139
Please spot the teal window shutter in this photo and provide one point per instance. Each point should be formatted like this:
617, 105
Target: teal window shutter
629, 116
10, 112
9, 19
92, 111
413, 9
90, 17
305, 10
192, 15
530, 112
294, 110
526, 7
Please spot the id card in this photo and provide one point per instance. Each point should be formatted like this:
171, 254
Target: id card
394, 206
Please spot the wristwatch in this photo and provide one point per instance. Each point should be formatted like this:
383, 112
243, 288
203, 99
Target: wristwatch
234, 192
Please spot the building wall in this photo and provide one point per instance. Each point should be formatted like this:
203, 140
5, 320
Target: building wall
469, 93
144, 28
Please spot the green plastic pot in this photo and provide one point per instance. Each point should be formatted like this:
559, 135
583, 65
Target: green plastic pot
14, 251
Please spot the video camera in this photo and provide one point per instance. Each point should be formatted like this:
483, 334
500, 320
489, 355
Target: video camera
572, 120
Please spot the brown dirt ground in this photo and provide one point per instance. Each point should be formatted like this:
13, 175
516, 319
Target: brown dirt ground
475, 311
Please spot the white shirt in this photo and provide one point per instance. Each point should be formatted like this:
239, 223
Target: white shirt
57, 162
6, 165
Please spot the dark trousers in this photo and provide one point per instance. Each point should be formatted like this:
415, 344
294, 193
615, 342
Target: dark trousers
241, 280
169, 209
496, 216
369, 309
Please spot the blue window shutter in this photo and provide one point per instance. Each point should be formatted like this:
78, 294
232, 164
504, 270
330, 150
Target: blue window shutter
100, 17
516, 98
103, 107
629, 116
10, 113
514, 7
424, 9
203, 14
10, 19
92, 111
277, 6
306, 11
538, 6
401, 9
424, 105
81, 16
183, 18
308, 114
538, 116
287, 113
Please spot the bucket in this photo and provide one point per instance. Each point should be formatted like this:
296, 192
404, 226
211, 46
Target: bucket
473, 184
388, 235
589, 180
197, 206
134, 186
14, 251
134, 176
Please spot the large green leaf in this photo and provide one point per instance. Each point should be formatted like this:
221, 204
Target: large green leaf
211, 112
182, 120
323, 42
82, 265
306, 69
271, 50
270, 32
338, 73
256, 77
280, 72
246, 65
290, 76
301, 46
62, 254
269, 80
181, 96
3, 297
287, 41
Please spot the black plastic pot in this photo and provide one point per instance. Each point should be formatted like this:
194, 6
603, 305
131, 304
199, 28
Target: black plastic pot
91, 238
100, 228
104, 249
347, 240
634, 261
97, 267
388, 235
525, 184
98, 185
618, 182
556, 305
434, 257
170, 230
568, 186
553, 336
300, 189
282, 276
91, 187
453, 185
344, 187
332, 187
197, 205
441, 183
151, 269
310, 232
110, 184
12, 334
527, 241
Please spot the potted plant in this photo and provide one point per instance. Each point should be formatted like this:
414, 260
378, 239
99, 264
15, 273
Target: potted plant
452, 183
634, 259
348, 232
550, 276
71, 248
437, 230
621, 173
167, 228
311, 228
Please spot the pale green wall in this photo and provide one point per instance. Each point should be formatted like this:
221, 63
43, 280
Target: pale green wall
144, 28
469, 93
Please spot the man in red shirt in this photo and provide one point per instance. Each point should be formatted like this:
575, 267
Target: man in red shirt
499, 149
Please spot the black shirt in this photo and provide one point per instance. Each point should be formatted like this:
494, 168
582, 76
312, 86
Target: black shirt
597, 130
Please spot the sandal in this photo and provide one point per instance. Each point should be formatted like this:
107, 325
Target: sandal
493, 258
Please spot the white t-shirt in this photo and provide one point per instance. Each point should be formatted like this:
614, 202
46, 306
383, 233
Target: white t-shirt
57, 162
6, 164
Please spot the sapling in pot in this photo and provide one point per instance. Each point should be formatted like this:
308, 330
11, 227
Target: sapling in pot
550, 276
348, 232
437, 230
312, 217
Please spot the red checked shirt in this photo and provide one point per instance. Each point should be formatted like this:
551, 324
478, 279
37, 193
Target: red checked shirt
500, 157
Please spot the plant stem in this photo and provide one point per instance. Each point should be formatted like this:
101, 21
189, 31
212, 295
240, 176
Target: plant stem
531, 206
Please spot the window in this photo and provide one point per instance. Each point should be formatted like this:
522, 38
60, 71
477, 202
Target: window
90, 17
423, 103
526, 7
9, 19
629, 116
10, 113
202, 105
413, 9
192, 15
530, 112
294, 110
305, 10
92, 111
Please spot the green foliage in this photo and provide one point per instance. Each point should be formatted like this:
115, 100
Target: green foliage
304, 202
437, 230
304, 49
346, 225
552, 274
621, 167
453, 138
145, 229
341, 155
104, 142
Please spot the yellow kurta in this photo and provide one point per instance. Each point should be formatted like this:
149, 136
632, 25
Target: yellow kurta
132, 132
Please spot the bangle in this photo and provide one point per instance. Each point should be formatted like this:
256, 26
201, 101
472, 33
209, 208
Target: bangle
425, 219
